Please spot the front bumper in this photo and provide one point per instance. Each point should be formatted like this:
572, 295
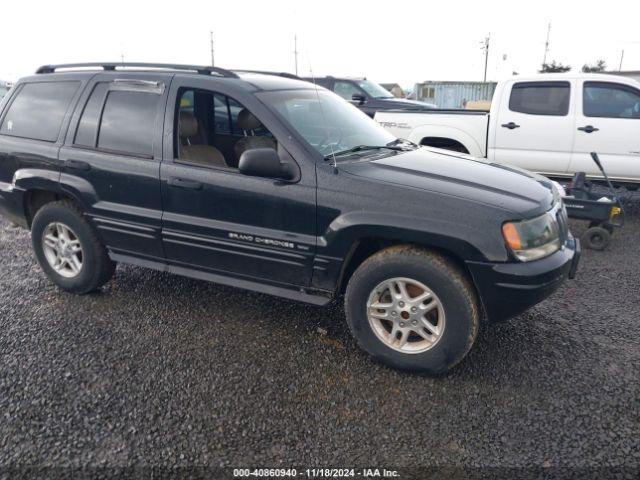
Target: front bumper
507, 289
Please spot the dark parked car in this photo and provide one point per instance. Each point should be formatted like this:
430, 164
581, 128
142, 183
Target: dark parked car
368, 96
273, 185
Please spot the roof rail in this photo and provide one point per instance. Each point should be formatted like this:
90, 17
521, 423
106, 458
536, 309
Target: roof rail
112, 66
263, 72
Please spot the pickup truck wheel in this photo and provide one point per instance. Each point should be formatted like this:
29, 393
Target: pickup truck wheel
412, 309
68, 250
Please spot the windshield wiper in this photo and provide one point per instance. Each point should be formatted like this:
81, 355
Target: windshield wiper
363, 148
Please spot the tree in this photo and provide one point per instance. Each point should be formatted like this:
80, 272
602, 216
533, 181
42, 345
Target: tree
599, 66
554, 67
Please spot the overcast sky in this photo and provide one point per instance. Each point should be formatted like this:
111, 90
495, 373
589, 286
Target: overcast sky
402, 42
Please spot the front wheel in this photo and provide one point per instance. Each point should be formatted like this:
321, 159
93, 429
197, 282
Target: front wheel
68, 249
412, 309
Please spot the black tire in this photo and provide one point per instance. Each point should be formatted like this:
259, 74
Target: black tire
596, 238
444, 278
97, 268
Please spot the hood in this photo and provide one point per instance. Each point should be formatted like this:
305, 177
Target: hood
404, 103
515, 190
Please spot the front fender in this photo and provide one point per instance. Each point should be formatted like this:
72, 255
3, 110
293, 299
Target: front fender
347, 231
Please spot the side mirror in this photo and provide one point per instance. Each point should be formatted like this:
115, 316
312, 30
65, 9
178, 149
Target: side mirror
358, 97
263, 162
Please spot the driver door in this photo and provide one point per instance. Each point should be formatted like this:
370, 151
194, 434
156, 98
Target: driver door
220, 221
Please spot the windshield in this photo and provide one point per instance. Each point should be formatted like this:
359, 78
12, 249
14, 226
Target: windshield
3, 91
374, 90
328, 123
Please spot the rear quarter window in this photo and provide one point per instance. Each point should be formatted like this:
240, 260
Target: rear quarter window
38, 110
540, 98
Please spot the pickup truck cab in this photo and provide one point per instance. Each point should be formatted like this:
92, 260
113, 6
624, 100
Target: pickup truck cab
274, 185
545, 123
368, 96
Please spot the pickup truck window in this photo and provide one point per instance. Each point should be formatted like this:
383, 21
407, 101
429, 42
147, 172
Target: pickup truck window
540, 98
374, 90
610, 100
128, 122
38, 110
325, 121
346, 89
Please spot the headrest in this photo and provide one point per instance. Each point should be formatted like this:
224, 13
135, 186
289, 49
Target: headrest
248, 121
188, 124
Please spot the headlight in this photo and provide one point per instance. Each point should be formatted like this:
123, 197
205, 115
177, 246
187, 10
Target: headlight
533, 239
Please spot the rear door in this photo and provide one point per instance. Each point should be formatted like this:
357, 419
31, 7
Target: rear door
608, 122
219, 221
111, 160
534, 128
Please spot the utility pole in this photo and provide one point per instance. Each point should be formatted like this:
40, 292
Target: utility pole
621, 58
295, 52
546, 45
212, 58
485, 47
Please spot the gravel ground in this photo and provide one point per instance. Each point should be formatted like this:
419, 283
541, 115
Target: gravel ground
163, 370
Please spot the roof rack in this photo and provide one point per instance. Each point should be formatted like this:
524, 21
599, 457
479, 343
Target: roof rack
112, 66
263, 72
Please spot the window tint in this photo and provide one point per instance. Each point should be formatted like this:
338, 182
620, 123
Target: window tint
38, 110
610, 100
346, 90
87, 131
540, 98
128, 122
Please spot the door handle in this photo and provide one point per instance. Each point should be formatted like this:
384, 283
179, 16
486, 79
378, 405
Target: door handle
510, 125
77, 165
187, 184
589, 129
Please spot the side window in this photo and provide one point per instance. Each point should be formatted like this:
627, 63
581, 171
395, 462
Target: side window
540, 98
610, 100
216, 130
128, 122
87, 131
38, 110
346, 89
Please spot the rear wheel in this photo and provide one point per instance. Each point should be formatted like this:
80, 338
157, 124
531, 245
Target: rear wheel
412, 309
68, 249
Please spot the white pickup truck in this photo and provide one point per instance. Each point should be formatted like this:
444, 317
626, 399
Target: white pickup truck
546, 123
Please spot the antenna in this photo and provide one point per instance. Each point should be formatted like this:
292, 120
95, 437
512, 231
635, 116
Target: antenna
546, 45
621, 58
211, 39
485, 47
295, 52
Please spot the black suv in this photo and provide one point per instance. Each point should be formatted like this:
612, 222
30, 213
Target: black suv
274, 185
368, 96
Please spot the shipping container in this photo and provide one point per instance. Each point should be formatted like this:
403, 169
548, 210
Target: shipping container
450, 94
